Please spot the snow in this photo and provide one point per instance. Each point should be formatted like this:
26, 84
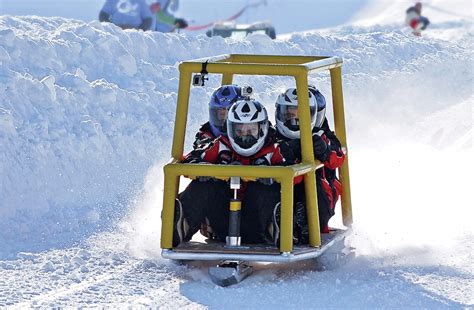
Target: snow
86, 118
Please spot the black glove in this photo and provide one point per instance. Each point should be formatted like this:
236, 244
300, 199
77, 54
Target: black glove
180, 23
224, 158
200, 142
319, 145
262, 161
290, 150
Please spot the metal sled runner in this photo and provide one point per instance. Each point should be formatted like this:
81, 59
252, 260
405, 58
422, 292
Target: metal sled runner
298, 67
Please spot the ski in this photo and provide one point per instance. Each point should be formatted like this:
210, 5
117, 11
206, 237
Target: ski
229, 272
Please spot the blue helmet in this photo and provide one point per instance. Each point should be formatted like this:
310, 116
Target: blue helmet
221, 100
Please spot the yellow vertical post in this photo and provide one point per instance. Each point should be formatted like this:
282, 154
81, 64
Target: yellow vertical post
171, 184
308, 157
340, 127
181, 112
227, 78
286, 218
167, 215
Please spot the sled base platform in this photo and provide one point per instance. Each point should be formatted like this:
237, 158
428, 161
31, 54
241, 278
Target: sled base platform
254, 252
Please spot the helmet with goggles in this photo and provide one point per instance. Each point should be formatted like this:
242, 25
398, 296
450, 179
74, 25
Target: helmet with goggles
221, 100
247, 126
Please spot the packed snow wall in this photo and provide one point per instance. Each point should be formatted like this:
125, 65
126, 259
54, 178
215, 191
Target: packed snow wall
87, 109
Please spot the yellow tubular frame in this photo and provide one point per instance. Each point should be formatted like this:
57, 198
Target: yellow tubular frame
299, 67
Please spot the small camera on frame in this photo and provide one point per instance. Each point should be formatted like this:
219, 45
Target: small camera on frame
247, 91
199, 79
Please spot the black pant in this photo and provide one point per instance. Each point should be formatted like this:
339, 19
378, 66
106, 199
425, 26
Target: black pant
325, 209
199, 200
257, 211
211, 199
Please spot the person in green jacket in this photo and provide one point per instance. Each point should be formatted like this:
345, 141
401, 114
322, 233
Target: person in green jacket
165, 20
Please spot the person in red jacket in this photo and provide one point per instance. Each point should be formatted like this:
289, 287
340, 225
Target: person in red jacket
415, 20
249, 141
327, 149
221, 100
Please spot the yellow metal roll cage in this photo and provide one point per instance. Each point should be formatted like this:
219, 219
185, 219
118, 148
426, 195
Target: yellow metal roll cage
299, 67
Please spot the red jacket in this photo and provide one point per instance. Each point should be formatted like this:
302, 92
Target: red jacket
220, 151
332, 159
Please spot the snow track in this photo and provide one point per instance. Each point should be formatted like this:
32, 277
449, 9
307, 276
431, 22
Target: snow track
83, 277
85, 118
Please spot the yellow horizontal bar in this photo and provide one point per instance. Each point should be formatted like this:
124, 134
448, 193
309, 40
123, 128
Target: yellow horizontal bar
261, 69
218, 171
247, 68
263, 64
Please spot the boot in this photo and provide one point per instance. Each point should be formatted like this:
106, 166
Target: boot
300, 223
274, 227
179, 228
276, 224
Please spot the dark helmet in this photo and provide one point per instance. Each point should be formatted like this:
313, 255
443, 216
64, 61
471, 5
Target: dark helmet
221, 100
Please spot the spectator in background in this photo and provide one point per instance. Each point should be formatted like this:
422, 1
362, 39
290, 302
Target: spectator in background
127, 14
415, 20
165, 20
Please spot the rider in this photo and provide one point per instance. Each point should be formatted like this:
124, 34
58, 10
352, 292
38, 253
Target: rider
415, 20
326, 148
250, 141
165, 20
127, 14
221, 100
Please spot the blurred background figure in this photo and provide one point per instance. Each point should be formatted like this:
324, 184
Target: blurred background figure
127, 14
415, 20
163, 11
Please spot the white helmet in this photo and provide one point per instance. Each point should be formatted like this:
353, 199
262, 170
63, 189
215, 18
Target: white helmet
247, 126
286, 113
